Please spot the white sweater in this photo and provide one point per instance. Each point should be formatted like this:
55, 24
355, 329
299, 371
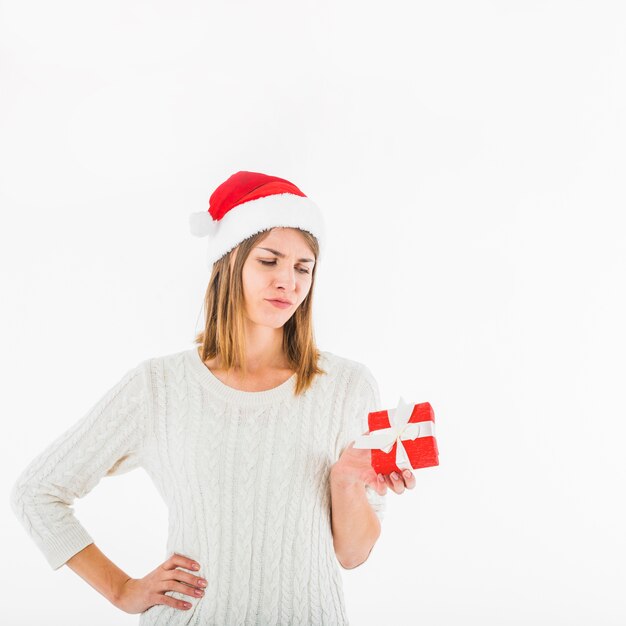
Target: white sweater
243, 474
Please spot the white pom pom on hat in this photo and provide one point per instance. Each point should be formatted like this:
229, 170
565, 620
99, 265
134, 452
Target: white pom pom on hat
201, 224
250, 202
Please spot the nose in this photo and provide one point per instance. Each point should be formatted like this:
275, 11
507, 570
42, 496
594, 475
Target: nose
286, 277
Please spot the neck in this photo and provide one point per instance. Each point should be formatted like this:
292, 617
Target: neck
264, 348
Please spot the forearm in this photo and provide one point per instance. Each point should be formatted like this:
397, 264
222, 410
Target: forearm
355, 525
99, 571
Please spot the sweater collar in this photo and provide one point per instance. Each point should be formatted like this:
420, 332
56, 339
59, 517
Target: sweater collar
236, 396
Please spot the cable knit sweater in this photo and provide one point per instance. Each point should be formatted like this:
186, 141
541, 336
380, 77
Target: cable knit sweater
245, 476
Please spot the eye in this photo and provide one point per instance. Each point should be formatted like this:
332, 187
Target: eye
301, 270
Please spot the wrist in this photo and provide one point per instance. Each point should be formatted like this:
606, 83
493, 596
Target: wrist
340, 477
119, 590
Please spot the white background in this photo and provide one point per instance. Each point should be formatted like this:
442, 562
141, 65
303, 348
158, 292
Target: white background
469, 159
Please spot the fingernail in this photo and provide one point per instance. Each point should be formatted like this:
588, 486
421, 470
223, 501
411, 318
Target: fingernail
381, 478
394, 475
407, 474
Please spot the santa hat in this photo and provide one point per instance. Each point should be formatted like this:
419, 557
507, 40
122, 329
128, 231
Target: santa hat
248, 203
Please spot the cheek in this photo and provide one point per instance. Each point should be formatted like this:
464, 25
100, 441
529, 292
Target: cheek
251, 279
254, 285
304, 289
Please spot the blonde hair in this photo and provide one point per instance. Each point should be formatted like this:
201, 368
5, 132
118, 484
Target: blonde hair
223, 332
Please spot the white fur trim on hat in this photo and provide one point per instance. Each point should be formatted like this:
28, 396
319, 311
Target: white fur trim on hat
244, 220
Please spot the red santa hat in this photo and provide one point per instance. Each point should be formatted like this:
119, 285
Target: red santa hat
250, 202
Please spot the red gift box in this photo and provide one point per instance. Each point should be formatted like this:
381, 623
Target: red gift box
421, 451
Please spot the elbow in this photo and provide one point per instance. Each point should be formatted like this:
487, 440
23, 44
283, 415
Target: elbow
355, 561
354, 552
24, 498
351, 565
16, 496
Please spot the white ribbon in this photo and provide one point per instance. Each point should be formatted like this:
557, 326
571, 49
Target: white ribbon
400, 430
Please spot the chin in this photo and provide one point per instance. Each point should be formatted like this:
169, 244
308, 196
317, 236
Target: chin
272, 322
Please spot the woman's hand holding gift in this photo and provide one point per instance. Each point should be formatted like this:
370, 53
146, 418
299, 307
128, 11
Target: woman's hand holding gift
355, 466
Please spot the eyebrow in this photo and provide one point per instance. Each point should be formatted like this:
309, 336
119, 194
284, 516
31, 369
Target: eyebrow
282, 256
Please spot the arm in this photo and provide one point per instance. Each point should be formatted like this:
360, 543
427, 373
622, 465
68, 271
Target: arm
106, 441
357, 506
355, 525
100, 572
136, 595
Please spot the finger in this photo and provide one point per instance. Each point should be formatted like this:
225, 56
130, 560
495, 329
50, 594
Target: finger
173, 602
397, 482
409, 478
388, 481
178, 560
185, 577
381, 488
172, 585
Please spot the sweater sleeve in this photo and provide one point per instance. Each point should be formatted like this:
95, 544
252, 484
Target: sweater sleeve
364, 398
106, 441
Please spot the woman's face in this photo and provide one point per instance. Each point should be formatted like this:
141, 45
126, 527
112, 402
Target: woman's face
285, 273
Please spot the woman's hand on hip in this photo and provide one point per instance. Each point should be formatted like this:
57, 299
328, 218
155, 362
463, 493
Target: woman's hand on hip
139, 594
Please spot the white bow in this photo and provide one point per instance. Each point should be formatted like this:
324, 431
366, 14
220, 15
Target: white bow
400, 430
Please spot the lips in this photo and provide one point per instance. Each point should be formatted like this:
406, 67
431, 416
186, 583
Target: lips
279, 300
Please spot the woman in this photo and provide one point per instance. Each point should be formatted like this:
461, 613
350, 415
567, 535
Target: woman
248, 437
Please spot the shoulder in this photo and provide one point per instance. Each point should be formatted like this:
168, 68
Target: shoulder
351, 369
171, 359
168, 367
358, 383
335, 362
